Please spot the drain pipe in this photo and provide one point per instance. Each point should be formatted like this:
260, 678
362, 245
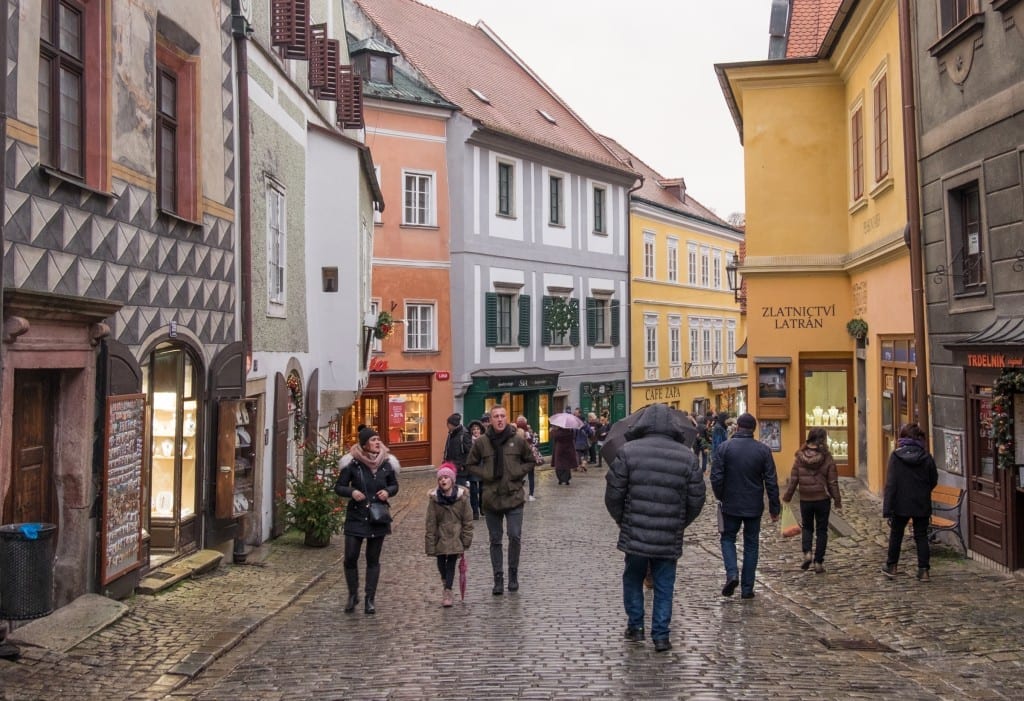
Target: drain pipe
917, 298
629, 289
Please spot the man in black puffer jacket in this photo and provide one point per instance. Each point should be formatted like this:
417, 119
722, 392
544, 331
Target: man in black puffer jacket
655, 490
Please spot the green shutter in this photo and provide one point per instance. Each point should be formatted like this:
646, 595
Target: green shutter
524, 321
574, 330
586, 400
591, 321
545, 319
615, 322
491, 319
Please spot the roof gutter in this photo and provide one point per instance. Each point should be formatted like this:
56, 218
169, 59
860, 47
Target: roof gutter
629, 284
910, 158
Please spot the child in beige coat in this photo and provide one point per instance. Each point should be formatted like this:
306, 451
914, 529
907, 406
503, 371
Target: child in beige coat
449, 526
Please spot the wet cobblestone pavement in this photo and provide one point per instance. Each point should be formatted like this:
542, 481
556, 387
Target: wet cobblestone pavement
277, 631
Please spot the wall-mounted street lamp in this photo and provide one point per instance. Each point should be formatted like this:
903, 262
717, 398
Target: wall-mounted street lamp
732, 275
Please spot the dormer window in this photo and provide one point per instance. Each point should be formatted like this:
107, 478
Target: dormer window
373, 61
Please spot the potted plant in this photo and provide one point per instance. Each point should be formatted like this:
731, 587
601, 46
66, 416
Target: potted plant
858, 328
311, 505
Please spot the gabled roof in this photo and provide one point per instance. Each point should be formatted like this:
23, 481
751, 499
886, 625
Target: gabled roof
809, 23
657, 191
465, 63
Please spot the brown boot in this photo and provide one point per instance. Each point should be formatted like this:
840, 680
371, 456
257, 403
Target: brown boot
446, 598
922, 574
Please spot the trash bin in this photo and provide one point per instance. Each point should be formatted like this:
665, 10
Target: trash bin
26, 570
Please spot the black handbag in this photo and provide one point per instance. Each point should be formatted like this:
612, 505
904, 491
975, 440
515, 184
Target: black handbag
380, 511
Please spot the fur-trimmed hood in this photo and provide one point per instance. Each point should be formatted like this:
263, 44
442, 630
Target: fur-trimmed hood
346, 460
463, 493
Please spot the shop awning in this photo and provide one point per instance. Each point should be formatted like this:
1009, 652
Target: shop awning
1003, 332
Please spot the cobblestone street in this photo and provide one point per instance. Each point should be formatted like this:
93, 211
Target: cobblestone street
560, 637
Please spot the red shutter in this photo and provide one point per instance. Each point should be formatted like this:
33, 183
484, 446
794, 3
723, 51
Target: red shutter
350, 99
323, 63
289, 27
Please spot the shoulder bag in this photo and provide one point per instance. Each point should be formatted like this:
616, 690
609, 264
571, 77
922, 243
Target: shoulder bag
380, 511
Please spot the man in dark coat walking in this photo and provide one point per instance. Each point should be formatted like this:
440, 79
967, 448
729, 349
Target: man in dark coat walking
909, 481
742, 472
655, 489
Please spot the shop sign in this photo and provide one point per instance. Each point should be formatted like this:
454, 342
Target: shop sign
800, 316
995, 360
442, 375
378, 365
657, 394
522, 382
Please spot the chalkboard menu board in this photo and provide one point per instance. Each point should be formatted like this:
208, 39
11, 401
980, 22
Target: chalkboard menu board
121, 530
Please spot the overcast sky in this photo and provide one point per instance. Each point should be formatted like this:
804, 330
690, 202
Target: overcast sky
642, 72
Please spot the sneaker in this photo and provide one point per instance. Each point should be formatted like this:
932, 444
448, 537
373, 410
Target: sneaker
747, 595
662, 645
532, 498
634, 635
889, 571
730, 587
922, 574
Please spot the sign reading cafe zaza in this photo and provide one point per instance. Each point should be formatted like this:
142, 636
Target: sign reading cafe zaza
811, 316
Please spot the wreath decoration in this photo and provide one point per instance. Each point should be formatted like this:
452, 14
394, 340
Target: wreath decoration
1008, 384
295, 391
385, 327
559, 316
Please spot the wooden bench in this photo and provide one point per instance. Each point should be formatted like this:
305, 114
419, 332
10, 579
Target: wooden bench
947, 503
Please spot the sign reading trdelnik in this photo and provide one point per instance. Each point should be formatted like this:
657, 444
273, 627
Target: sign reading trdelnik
799, 317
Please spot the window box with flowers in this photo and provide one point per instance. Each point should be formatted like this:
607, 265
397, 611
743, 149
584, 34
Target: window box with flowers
1010, 383
311, 505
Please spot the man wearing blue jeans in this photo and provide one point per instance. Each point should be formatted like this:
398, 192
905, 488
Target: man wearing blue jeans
742, 472
654, 490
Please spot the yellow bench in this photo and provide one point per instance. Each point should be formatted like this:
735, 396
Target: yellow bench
948, 502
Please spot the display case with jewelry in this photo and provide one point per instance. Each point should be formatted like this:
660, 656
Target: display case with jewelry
236, 457
173, 451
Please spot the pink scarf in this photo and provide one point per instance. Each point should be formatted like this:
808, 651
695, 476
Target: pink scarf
371, 460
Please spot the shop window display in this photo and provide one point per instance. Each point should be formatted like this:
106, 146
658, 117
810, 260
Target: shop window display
825, 405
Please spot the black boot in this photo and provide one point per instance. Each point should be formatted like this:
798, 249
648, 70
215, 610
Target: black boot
513, 580
352, 580
372, 575
499, 584
368, 607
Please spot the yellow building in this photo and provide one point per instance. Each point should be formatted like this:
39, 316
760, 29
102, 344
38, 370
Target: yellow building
826, 213
685, 322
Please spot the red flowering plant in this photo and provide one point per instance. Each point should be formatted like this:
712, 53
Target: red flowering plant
385, 326
311, 504
1008, 384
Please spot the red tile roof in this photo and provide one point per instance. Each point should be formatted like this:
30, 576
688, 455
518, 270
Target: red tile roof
809, 21
659, 190
457, 57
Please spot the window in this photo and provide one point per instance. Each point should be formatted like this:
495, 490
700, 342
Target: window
706, 350
419, 327
560, 319
376, 345
506, 191
378, 216
716, 270
649, 255
730, 348
673, 260
276, 238
555, 215
716, 349
694, 347
953, 12
857, 153
506, 317
599, 210
603, 320
705, 267
650, 340
73, 134
881, 120
691, 261
177, 153
968, 269
418, 199
675, 351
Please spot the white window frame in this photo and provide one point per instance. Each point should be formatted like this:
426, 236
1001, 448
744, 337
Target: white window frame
705, 350
376, 344
416, 337
730, 347
649, 252
694, 347
716, 269
277, 248
378, 216
705, 266
672, 259
691, 262
675, 345
429, 209
716, 348
650, 340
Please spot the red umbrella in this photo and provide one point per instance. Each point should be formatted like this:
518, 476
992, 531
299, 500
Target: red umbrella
463, 568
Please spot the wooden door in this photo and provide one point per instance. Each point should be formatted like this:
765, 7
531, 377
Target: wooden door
279, 467
988, 488
32, 498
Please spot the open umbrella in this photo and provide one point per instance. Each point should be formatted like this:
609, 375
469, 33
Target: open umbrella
463, 568
563, 420
616, 437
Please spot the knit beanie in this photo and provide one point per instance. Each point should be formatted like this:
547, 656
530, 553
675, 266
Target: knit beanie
447, 469
746, 421
366, 434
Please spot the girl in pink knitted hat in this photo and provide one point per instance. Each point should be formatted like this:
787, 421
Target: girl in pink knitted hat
449, 526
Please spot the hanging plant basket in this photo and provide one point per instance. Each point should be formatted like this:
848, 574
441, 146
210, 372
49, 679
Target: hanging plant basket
858, 328
295, 392
385, 327
1008, 384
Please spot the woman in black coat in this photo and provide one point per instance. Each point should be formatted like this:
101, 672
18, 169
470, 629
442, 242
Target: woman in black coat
909, 481
369, 473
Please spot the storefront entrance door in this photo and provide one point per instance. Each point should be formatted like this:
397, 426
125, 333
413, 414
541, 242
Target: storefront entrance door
987, 486
31, 495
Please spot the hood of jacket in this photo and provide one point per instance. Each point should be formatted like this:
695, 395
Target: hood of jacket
912, 454
661, 419
810, 456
